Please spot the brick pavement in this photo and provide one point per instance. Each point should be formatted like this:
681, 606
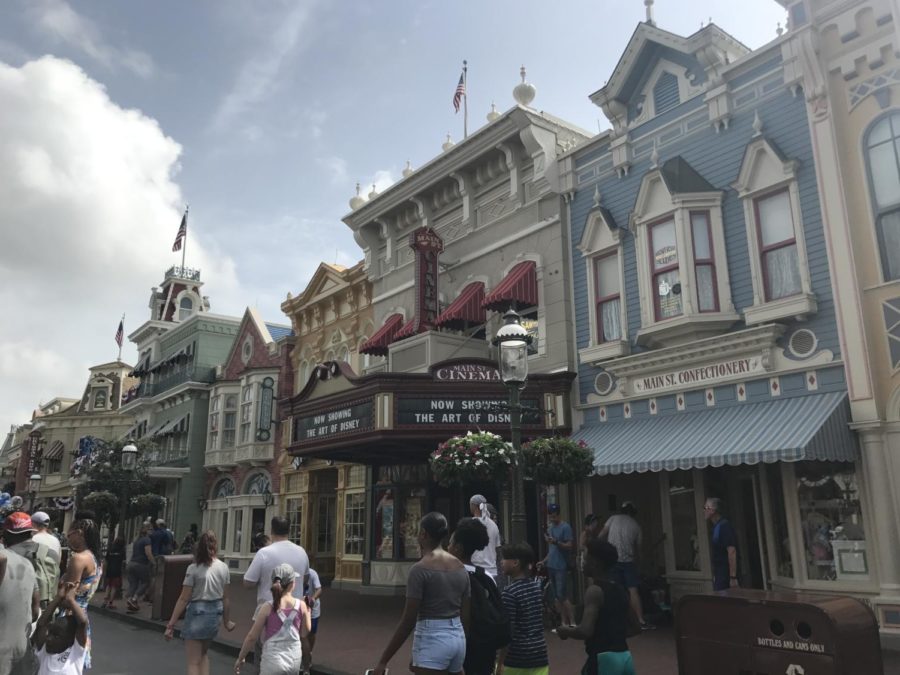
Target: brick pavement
354, 629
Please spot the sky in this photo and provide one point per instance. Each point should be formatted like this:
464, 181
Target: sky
262, 116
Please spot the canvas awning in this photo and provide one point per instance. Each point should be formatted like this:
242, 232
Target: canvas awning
466, 309
171, 427
408, 330
777, 430
519, 287
55, 451
384, 336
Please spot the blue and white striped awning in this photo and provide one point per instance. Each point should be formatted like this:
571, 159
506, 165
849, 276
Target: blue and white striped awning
777, 430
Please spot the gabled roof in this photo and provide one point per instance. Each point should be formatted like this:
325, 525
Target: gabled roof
326, 280
277, 331
681, 178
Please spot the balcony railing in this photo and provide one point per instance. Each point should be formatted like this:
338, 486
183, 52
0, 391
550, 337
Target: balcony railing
204, 375
187, 273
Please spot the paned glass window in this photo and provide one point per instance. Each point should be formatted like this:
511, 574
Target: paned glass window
778, 246
883, 158
666, 282
704, 263
607, 292
354, 523
684, 521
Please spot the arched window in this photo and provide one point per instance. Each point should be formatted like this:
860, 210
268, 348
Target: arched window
100, 398
224, 488
883, 163
185, 308
258, 484
344, 354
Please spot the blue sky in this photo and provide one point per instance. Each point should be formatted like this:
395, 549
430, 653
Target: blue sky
262, 116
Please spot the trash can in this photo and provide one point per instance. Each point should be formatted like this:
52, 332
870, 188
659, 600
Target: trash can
746, 632
169, 578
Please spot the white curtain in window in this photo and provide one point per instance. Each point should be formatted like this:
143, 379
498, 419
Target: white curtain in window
610, 316
890, 236
706, 288
783, 272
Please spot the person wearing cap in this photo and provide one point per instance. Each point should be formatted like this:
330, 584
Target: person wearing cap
281, 621
19, 608
560, 547
623, 531
18, 536
42, 534
486, 557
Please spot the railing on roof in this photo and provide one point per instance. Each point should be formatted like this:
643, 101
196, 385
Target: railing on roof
204, 375
178, 272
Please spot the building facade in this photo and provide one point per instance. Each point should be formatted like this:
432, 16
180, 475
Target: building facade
324, 499
842, 60
243, 440
710, 363
179, 348
448, 249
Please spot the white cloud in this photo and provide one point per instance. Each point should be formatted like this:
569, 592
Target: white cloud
383, 179
88, 212
57, 19
336, 168
258, 77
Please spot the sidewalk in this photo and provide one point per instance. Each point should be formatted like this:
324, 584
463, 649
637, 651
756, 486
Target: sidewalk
354, 630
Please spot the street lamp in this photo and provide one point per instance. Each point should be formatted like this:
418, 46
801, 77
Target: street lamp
128, 462
34, 486
513, 341
268, 498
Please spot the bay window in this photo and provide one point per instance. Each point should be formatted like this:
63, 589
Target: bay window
214, 423
666, 279
246, 413
767, 184
229, 420
704, 263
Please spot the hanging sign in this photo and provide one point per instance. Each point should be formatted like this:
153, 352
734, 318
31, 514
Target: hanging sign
266, 397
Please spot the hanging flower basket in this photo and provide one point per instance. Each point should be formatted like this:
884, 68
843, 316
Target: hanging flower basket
104, 504
555, 460
476, 456
148, 504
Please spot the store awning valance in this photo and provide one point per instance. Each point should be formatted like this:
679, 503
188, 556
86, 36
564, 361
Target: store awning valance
778, 430
466, 309
519, 287
408, 330
55, 451
157, 430
384, 336
172, 427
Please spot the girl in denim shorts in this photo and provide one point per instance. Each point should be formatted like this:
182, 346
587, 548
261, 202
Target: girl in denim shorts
437, 594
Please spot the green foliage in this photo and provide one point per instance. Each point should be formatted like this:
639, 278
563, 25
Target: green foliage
473, 457
105, 505
104, 472
555, 460
147, 504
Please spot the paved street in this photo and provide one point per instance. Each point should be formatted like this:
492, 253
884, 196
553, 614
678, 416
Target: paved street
122, 648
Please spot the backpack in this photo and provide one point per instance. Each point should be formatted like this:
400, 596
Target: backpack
489, 625
46, 566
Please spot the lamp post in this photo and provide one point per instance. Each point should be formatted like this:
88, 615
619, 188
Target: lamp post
513, 340
128, 459
34, 486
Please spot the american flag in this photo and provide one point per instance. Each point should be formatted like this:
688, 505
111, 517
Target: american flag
182, 233
460, 92
120, 332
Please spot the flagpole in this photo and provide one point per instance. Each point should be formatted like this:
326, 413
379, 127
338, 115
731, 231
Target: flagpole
123, 337
184, 243
465, 99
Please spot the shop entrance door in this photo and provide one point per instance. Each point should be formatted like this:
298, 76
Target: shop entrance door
750, 533
324, 522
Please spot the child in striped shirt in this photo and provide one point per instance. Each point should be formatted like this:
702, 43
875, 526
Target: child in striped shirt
526, 653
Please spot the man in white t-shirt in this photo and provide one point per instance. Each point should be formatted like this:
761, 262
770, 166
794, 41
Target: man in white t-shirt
486, 557
281, 550
41, 522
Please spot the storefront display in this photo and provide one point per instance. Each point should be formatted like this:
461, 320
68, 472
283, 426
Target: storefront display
831, 520
684, 521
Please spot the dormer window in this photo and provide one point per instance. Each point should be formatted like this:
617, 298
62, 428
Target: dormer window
665, 93
767, 183
100, 398
185, 308
682, 272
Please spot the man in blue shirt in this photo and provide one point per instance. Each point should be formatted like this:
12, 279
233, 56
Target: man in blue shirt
724, 546
161, 539
561, 546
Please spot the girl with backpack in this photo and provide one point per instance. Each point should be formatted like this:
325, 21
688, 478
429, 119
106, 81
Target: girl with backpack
488, 626
281, 622
437, 605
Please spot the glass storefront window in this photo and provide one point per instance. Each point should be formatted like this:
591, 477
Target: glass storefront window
834, 539
684, 521
784, 565
384, 523
295, 518
412, 508
354, 523
258, 526
238, 530
224, 530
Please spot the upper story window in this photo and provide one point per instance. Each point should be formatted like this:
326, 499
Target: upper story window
229, 420
246, 412
680, 247
185, 308
665, 93
602, 250
767, 184
883, 163
100, 398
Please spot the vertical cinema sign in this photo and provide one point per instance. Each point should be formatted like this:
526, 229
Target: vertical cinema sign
428, 246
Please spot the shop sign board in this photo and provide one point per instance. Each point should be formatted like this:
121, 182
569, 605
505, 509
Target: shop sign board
465, 413
733, 369
467, 372
347, 419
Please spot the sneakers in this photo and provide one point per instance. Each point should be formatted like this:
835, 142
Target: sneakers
647, 626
